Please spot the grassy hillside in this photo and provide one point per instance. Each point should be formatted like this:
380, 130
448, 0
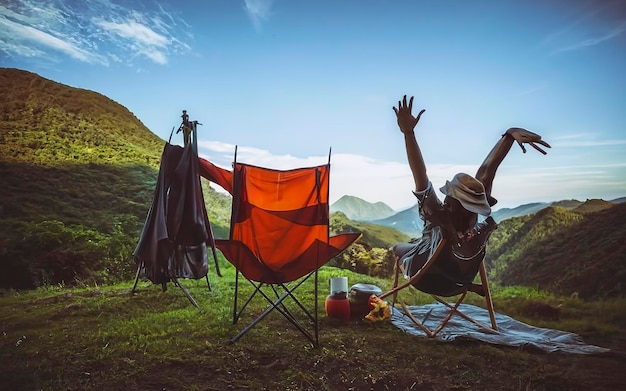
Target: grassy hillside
563, 251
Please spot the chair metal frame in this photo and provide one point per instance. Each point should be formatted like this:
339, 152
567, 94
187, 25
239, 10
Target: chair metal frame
278, 304
280, 292
176, 283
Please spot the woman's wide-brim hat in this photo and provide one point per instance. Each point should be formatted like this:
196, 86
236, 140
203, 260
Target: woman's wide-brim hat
469, 191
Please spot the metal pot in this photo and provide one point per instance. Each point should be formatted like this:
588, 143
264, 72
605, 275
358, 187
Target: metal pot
358, 295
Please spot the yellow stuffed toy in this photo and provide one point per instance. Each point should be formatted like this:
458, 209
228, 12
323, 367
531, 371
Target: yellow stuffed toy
379, 309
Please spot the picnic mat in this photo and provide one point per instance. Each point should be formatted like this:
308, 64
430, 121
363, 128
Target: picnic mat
511, 332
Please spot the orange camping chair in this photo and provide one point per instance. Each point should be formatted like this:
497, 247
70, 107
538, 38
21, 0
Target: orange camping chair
279, 236
445, 276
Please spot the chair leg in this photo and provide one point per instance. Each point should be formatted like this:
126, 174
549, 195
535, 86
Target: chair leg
395, 281
485, 283
461, 314
316, 324
214, 252
278, 304
453, 310
257, 320
132, 291
186, 292
257, 289
419, 324
235, 316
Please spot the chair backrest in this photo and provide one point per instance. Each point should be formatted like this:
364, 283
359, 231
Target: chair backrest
280, 214
279, 221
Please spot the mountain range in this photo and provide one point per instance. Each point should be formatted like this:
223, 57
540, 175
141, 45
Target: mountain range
409, 222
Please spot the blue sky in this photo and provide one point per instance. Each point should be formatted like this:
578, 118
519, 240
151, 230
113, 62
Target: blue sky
288, 80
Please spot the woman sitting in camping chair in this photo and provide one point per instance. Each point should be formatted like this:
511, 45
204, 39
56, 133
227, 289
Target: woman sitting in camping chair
455, 221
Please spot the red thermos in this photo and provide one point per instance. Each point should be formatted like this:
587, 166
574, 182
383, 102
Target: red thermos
337, 303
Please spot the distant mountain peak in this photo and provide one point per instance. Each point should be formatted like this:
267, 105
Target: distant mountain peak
358, 209
593, 205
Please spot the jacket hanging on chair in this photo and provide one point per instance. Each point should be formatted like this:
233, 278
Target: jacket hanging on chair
176, 234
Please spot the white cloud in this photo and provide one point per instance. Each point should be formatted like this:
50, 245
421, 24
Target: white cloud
216, 146
361, 176
19, 50
92, 31
22, 35
592, 41
258, 11
584, 140
571, 136
391, 182
590, 23
134, 31
222, 154
589, 143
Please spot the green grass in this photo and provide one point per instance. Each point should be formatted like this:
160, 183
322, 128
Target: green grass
103, 338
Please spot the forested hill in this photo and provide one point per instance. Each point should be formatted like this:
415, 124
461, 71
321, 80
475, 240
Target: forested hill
45, 122
580, 251
70, 154
77, 174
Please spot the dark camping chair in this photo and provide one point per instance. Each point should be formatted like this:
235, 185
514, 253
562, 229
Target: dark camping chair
176, 236
279, 236
443, 275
